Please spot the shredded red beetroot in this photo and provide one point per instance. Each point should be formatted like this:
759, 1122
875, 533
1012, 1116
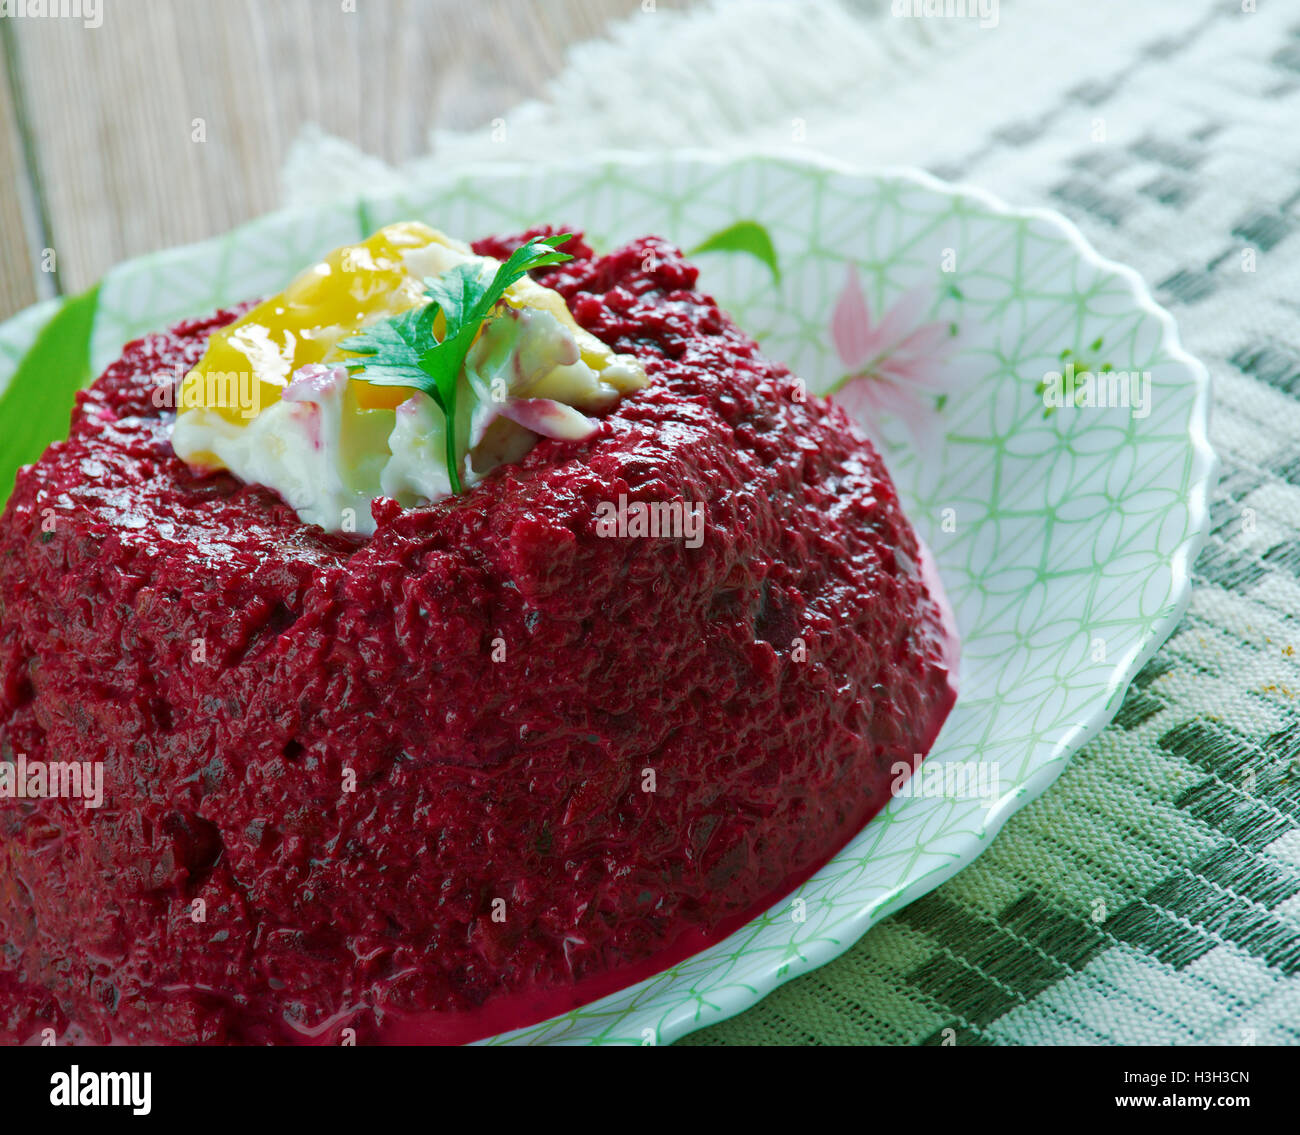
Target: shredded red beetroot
407, 776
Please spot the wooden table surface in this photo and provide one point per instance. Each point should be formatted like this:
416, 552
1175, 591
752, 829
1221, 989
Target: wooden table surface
97, 150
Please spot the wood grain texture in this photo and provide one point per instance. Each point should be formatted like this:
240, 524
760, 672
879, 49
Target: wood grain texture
20, 240
113, 112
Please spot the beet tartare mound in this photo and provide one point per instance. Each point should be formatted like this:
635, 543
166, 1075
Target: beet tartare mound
478, 767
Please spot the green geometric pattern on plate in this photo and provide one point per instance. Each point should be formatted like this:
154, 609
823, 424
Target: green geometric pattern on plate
1067, 547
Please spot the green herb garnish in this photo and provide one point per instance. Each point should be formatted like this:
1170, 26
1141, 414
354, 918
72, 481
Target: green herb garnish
402, 350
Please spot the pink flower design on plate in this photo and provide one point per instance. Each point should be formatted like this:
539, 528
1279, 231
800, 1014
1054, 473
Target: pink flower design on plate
899, 366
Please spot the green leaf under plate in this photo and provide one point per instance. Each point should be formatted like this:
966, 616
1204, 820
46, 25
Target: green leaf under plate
37, 405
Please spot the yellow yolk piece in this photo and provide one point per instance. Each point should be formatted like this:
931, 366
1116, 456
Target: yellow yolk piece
352, 287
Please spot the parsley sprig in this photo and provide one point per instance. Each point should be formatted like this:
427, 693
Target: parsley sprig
402, 350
